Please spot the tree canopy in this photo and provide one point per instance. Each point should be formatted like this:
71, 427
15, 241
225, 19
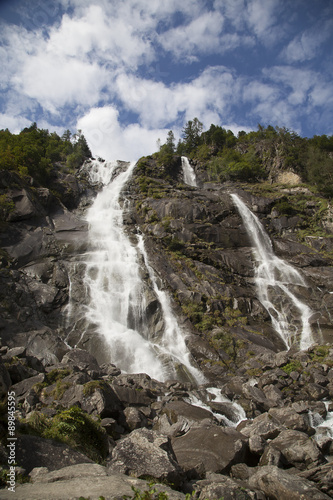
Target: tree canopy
36, 152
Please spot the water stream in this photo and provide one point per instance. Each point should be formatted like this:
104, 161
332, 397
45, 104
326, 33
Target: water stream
188, 172
113, 278
277, 283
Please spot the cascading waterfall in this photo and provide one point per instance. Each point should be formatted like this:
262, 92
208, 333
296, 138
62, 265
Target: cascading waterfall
275, 279
188, 172
113, 280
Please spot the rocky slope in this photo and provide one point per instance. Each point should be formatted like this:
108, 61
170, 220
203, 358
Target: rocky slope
200, 250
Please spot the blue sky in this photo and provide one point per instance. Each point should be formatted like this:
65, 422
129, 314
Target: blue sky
126, 72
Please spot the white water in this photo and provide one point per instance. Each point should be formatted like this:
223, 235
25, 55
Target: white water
117, 305
214, 394
188, 172
275, 280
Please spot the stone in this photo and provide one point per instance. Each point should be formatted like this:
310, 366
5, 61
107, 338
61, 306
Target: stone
80, 358
87, 483
263, 425
298, 449
134, 418
146, 453
290, 419
210, 448
34, 451
218, 486
278, 484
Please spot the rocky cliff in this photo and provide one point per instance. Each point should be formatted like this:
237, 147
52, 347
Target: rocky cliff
200, 250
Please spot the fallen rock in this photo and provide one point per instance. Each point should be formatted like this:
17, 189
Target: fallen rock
80, 358
88, 482
210, 448
297, 449
146, 453
34, 451
218, 486
278, 484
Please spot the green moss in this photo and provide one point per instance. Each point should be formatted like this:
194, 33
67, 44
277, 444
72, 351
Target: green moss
7, 206
60, 389
90, 387
53, 377
292, 366
320, 354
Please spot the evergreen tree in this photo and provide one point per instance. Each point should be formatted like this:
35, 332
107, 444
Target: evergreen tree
170, 142
191, 134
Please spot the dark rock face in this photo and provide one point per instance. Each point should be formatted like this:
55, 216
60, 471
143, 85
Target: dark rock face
200, 251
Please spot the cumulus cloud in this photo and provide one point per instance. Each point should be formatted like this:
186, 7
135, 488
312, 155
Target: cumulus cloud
211, 93
160, 64
108, 138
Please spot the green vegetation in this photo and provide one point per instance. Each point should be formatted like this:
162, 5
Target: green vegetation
53, 377
36, 152
249, 156
73, 427
149, 494
292, 366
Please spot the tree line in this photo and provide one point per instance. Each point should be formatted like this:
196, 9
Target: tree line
36, 152
247, 156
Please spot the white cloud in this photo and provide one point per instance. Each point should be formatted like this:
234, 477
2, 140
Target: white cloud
108, 138
305, 46
210, 94
14, 123
200, 36
112, 40
56, 82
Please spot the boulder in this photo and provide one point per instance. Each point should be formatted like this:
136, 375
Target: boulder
322, 476
278, 484
134, 418
146, 453
44, 344
34, 451
297, 449
218, 486
210, 448
263, 425
289, 418
85, 481
81, 359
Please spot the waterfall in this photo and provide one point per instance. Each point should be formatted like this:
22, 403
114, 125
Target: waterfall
116, 304
188, 172
275, 280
